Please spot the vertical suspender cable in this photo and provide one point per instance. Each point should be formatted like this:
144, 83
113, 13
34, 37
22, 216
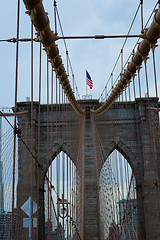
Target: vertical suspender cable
151, 130
139, 82
32, 127
68, 171
57, 162
138, 134
155, 136
16, 87
121, 60
146, 76
48, 208
129, 178
67, 62
62, 129
150, 119
74, 84
39, 110
70, 213
67, 198
141, 2
59, 141
154, 69
55, 17
51, 169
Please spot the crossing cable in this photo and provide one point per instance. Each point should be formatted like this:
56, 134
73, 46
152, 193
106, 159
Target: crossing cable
6, 149
141, 195
48, 173
128, 214
129, 117
44, 34
112, 173
143, 120
16, 88
68, 58
127, 36
154, 69
149, 36
125, 214
57, 160
125, 155
133, 48
102, 152
63, 161
55, 18
51, 175
15, 40
18, 132
31, 164
128, 194
39, 111
141, 2
152, 135
67, 163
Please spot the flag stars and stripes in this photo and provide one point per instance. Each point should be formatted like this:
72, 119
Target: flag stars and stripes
89, 81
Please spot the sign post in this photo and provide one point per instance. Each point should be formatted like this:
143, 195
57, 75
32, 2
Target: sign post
27, 209
30, 220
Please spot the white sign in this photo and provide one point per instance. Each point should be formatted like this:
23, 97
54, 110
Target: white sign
25, 207
26, 222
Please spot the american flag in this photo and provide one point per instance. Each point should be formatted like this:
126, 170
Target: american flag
89, 80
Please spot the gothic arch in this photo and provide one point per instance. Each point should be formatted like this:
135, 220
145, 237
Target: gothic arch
129, 155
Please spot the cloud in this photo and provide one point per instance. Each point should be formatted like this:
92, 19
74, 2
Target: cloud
78, 18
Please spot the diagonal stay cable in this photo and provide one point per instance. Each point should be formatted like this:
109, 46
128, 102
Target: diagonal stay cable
63, 37
40, 20
127, 36
150, 36
133, 47
18, 132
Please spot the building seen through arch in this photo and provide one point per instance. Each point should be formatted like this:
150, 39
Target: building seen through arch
118, 203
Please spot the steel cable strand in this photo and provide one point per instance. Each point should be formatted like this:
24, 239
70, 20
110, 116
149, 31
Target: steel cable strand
110, 168
133, 49
48, 158
51, 141
125, 39
124, 215
20, 136
31, 119
68, 58
150, 36
128, 117
96, 158
41, 22
16, 89
111, 176
39, 166
39, 115
152, 136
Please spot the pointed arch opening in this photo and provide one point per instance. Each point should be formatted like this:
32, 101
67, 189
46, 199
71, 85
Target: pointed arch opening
63, 202
118, 198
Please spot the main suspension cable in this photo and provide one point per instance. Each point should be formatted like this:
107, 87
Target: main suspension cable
150, 36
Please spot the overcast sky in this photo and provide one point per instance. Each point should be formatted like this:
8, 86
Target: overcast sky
85, 17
